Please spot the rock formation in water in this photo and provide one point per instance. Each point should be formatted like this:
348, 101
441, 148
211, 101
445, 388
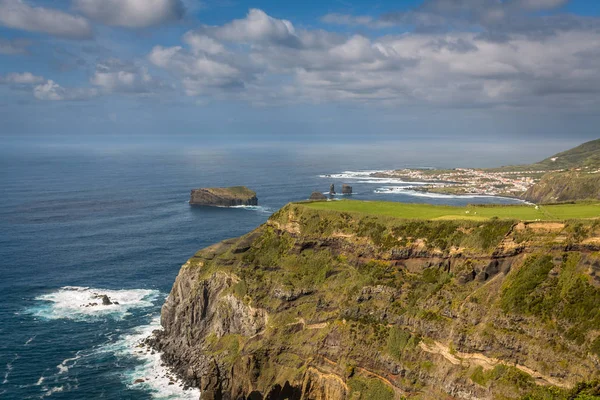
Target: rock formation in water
339, 306
346, 189
223, 197
317, 196
331, 189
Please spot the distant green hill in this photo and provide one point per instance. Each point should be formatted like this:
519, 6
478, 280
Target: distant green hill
586, 155
579, 180
582, 156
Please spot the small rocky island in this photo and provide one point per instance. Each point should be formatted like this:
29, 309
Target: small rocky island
223, 197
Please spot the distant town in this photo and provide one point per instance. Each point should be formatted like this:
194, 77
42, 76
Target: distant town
467, 181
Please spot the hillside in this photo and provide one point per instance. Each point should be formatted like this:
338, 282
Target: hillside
564, 186
586, 155
343, 303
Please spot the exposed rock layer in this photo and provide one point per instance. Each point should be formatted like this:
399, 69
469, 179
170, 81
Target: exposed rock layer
328, 306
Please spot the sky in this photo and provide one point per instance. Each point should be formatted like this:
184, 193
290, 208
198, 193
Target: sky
329, 71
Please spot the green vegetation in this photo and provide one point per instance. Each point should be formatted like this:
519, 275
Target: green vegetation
568, 298
471, 212
565, 186
369, 389
586, 155
363, 283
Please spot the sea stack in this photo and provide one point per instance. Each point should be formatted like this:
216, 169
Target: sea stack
223, 197
346, 189
332, 189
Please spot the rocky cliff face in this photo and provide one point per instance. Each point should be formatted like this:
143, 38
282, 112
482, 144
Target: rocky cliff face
223, 197
564, 186
326, 306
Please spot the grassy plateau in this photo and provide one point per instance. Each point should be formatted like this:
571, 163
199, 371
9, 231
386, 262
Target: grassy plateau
525, 212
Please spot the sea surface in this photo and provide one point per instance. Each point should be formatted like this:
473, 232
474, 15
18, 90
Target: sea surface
75, 223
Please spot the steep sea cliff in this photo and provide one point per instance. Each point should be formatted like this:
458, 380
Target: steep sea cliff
331, 305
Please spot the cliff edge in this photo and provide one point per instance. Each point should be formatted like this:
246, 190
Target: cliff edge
223, 197
330, 305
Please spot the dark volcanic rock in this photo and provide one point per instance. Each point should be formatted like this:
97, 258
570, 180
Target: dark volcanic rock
346, 189
317, 196
223, 197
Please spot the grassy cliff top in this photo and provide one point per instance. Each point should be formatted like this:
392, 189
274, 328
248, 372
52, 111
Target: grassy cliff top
472, 212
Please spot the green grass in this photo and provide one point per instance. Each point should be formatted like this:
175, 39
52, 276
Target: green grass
471, 212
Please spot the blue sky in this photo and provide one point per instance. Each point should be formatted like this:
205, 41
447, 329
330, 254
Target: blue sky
314, 71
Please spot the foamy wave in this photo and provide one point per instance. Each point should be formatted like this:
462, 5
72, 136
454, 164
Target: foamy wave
9, 368
151, 374
352, 174
261, 209
416, 193
75, 302
366, 177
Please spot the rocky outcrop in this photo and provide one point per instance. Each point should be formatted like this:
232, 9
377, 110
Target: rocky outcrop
315, 196
223, 197
331, 189
346, 189
333, 306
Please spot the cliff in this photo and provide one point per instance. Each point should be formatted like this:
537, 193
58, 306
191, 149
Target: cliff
565, 186
319, 304
223, 197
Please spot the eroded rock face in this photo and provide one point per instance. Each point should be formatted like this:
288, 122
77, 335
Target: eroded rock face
304, 312
346, 189
223, 197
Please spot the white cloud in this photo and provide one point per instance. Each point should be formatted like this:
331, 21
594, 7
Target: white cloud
131, 13
116, 76
257, 27
24, 78
18, 14
265, 60
198, 72
52, 91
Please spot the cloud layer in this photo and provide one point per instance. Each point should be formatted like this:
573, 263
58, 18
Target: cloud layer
131, 13
457, 54
17, 14
264, 59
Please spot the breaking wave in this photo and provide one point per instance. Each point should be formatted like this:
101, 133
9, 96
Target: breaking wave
82, 303
261, 209
151, 374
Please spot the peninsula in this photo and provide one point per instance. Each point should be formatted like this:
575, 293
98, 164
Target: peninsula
223, 197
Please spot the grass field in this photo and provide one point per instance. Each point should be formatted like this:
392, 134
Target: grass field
471, 212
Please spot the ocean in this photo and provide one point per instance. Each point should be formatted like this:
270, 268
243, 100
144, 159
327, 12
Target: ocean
77, 223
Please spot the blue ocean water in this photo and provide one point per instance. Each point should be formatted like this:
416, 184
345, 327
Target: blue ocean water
78, 223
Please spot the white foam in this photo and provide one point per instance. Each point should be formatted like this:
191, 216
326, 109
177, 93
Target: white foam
417, 193
9, 368
67, 363
156, 376
50, 391
70, 302
353, 174
266, 210
366, 177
